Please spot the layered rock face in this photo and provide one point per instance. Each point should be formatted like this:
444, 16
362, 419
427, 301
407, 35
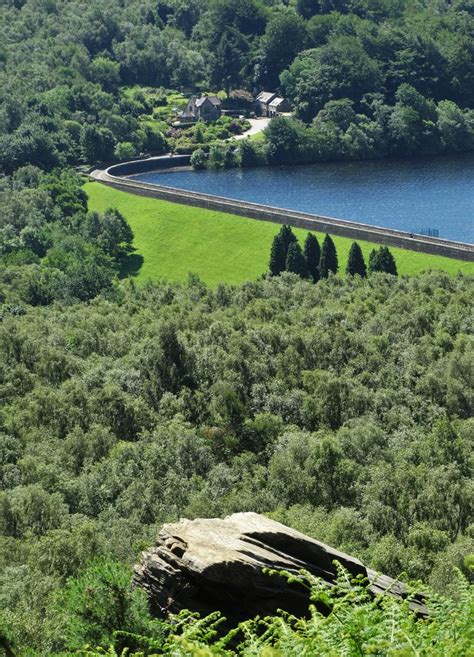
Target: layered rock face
211, 564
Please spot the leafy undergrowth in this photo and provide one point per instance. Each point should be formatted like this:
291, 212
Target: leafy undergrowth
352, 623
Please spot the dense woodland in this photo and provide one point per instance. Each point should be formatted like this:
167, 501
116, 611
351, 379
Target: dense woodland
340, 408
367, 79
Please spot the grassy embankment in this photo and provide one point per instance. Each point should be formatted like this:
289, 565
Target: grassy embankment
172, 240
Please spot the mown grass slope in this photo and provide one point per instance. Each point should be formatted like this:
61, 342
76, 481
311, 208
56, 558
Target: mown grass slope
174, 240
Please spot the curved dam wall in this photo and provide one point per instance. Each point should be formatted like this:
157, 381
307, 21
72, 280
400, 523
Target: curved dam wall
114, 176
150, 164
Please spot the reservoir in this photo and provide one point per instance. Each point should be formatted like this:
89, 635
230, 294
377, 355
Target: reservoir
429, 195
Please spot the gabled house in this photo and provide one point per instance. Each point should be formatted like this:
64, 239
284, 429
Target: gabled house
262, 102
278, 106
204, 108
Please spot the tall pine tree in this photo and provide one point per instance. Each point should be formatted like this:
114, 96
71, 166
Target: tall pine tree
355, 262
295, 260
287, 237
312, 254
328, 261
382, 260
388, 261
277, 256
374, 261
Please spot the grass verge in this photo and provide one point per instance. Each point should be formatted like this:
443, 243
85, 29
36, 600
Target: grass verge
172, 240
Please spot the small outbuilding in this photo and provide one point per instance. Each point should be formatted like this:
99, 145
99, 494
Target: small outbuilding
278, 106
262, 102
203, 108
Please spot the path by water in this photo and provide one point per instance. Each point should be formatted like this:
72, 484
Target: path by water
411, 195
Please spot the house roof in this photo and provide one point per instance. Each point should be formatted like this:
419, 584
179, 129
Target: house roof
277, 101
213, 99
265, 96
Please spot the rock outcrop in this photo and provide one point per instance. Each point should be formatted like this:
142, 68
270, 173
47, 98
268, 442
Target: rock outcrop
211, 564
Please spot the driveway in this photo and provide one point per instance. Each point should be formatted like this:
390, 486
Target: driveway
256, 126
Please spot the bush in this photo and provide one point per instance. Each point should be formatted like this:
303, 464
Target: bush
199, 159
125, 150
98, 603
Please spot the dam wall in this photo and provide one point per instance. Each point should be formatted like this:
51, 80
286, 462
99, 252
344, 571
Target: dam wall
114, 176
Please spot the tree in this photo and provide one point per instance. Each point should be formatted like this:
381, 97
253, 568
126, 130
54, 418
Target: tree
125, 150
328, 260
312, 254
277, 256
110, 231
355, 262
249, 154
295, 260
199, 159
340, 69
97, 602
284, 137
284, 38
97, 143
308, 8
382, 260
287, 237
388, 261
217, 156
226, 63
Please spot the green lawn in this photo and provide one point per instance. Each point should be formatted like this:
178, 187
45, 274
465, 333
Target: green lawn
172, 240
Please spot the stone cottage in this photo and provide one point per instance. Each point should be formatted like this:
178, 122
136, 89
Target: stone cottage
278, 106
262, 102
204, 108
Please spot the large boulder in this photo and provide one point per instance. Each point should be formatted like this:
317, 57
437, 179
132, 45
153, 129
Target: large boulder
211, 564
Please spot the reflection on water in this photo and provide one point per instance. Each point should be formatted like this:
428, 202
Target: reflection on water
413, 195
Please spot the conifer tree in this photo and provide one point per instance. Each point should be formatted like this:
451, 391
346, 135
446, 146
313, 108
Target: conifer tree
277, 256
295, 260
287, 237
374, 261
312, 254
355, 262
382, 260
328, 261
388, 261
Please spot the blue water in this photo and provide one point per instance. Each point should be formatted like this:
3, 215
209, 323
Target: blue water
412, 195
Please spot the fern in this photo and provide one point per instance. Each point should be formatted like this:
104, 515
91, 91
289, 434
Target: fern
354, 623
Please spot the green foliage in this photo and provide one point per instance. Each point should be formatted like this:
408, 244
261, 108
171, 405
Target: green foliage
344, 619
251, 154
277, 396
356, 262
328, 262
277, 256
221, 156
381, 260
54, 249
295, 260
109, 91
287, 237
312, 254
340, 69
199, 159
93, 607
125, 150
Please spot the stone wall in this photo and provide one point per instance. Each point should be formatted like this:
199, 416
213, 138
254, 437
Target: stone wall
352, 230
134, 167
